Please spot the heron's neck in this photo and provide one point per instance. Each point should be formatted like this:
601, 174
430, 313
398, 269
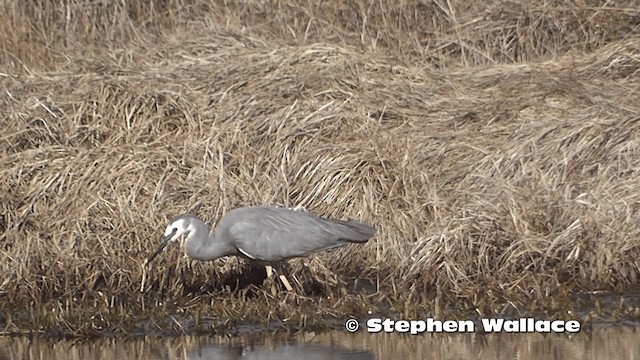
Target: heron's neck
201, 244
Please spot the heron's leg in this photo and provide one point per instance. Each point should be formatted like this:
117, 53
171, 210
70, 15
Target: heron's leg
280, 272
285, 282
269, 270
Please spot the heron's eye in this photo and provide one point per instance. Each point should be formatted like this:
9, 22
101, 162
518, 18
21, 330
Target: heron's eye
175, 230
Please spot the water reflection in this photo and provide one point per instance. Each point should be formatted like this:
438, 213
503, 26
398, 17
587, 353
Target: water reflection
286, 352
598, 343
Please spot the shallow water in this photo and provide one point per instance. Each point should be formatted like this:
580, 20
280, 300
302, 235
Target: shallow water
618, 342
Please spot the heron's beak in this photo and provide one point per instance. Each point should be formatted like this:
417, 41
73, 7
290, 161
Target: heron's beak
163, 243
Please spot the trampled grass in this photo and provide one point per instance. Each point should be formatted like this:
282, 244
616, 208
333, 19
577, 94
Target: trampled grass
494, 146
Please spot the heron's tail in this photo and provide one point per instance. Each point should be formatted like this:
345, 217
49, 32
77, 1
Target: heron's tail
353, 231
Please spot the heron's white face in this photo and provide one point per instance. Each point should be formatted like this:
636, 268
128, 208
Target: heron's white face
176, 229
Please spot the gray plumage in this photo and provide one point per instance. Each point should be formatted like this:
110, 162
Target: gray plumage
266, 234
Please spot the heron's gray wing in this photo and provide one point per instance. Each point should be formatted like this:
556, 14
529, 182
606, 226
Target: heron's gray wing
273, 234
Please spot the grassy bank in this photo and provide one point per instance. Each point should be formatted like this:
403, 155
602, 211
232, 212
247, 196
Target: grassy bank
495, 147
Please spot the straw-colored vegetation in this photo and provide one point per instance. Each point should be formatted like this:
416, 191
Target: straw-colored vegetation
495, 145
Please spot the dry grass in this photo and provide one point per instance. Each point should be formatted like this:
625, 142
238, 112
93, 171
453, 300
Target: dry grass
495, 146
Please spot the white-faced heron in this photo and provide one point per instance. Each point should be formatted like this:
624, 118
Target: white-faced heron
266, 234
